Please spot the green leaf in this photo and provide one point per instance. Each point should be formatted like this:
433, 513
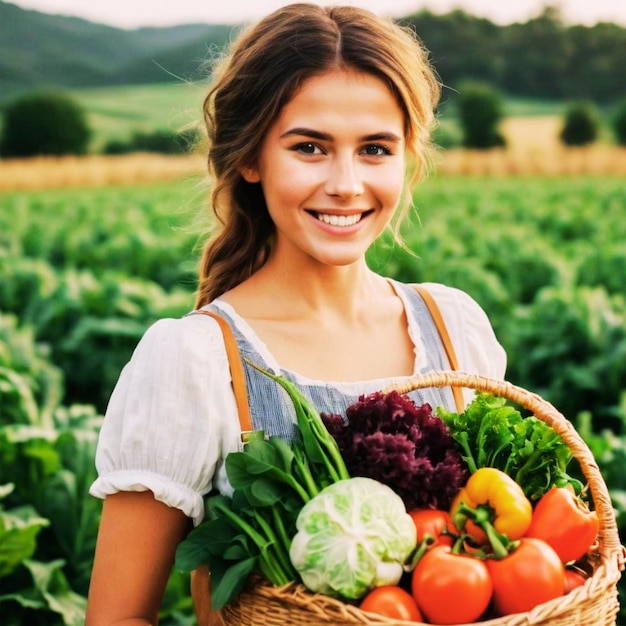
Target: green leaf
209, 539
52, 584
243, 469
28, 598
228, 583
18, 536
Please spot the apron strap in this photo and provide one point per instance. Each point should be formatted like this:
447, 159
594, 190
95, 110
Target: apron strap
435, 313
236, 373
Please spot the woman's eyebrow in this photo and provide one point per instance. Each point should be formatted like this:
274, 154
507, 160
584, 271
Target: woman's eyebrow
316, 134
307, 132
385, 136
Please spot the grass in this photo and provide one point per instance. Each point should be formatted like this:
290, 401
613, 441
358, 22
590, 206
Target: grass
118, 112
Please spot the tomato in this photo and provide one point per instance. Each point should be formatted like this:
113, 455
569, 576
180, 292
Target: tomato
392, 601
563, 521
574, 578
433, 522
451, 588
530, 575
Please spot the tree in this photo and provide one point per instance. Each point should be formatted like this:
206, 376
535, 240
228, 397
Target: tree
619, 123
44, 124
480, 112
581, 125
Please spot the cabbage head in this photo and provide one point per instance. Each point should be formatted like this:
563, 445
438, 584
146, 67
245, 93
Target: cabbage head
353, 536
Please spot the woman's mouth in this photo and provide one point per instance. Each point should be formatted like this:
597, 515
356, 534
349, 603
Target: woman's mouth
333, 219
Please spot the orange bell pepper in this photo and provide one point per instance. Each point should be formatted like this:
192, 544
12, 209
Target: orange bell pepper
564, 522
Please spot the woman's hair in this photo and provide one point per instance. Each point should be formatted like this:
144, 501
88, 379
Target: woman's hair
266, 65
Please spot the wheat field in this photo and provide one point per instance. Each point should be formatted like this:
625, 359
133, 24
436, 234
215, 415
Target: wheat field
533, 149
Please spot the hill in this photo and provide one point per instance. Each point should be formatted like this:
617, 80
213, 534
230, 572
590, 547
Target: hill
540, 59
39, 51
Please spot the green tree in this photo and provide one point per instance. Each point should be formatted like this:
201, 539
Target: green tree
480, 112
581, 125
44, 124
619, 123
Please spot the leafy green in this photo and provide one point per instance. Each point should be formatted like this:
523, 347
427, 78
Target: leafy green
492, 433
51, 592
19, 528
272, 480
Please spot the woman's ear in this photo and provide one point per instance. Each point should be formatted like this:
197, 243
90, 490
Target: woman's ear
250, 174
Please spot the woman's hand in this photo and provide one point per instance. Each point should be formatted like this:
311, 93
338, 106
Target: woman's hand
134, 555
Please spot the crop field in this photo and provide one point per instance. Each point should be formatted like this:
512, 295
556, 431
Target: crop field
86, 269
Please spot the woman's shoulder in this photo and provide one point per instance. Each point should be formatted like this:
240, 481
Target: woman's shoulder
170, 346
470, 329
190, 333
448, 297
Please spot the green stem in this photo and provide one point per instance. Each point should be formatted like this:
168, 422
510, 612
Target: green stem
320, 446
281, 561
284, 543
303, 471
462, 439
427, 541
260, 541
269, 566
299, 489
482, 516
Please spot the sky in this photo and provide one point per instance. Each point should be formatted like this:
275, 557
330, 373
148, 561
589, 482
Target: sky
137, 13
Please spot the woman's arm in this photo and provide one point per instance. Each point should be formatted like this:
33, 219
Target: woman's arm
134, 555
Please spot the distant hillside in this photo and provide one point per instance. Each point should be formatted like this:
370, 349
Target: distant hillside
542, 58
39, 51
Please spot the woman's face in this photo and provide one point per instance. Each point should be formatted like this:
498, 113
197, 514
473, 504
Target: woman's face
332, 167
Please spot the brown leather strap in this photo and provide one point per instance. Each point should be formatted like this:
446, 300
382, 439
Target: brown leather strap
447, 342
200, 577
201, 596
236, 372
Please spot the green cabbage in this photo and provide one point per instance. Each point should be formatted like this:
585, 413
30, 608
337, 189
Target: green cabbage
353, 536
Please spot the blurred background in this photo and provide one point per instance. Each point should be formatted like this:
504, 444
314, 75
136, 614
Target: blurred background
103, 208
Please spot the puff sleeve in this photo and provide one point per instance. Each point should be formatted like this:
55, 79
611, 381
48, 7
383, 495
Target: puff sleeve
171, 418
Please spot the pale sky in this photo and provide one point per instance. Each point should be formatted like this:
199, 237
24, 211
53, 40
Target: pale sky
136, 13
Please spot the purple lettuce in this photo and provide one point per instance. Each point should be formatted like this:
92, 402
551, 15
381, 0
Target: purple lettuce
389, 438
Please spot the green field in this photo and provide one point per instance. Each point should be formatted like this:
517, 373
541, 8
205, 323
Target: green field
85, 271
118, 112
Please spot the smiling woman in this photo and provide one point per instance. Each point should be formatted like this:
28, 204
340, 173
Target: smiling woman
331, 184
318, 122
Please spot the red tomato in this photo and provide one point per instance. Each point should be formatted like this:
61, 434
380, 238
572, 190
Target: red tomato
530, 575
433, 522
451, 588
392, 601
574, 578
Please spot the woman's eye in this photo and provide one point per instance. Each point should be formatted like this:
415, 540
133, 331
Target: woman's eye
376, 150
307, 148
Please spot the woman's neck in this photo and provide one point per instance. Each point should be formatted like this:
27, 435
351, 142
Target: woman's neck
281, 290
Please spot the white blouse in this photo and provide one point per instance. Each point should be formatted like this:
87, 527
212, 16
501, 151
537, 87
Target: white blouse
172, 419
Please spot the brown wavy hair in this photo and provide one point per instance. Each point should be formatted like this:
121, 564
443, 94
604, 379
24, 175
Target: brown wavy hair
264, 68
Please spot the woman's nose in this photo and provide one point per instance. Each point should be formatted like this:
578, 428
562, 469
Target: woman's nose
344, 177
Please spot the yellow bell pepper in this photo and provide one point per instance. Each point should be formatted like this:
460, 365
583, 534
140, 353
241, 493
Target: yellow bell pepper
492, 501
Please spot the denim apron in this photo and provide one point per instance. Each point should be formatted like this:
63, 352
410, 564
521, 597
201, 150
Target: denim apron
271, 409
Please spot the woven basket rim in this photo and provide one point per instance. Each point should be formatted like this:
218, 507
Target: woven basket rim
607, 557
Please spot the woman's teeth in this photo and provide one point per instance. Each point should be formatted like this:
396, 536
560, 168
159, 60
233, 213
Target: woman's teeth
339, 220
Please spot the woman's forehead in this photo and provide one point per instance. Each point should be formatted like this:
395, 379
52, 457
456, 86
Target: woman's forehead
343, 97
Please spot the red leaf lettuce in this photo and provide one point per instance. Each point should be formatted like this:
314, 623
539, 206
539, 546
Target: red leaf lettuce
387, 437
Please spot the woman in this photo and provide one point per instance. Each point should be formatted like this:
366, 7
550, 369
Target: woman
314, 120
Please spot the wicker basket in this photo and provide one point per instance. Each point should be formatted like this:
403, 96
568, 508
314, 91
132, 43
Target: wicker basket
593, 604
